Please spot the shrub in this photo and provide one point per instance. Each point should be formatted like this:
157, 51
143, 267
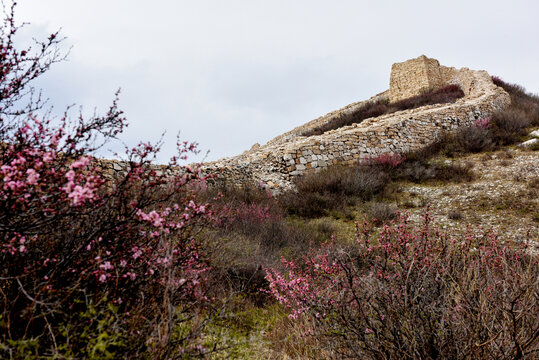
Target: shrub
474, 139
248, 280
508, 125
227, 193
386, 161
335, 188
381, 212
93, 265
363, 181
455, 215
423, 171
521, 100
416, 171
416, 293
455, 172
251, 225
468, 139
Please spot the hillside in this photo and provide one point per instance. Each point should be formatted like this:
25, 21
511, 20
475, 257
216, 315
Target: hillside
475, 179
498, 191
403, 226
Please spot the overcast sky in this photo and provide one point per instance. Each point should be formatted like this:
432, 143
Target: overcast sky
230, 73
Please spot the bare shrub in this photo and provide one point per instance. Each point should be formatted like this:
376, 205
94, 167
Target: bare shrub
429, 151
521, 100
363, 181
333, 189
455, 172
455, 215
423, 171
508, 125
416, 171
505, 154
248, 280
382, 212
474, 139
310, 204
533, 183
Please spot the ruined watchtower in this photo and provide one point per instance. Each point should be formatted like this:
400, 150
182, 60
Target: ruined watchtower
414, 77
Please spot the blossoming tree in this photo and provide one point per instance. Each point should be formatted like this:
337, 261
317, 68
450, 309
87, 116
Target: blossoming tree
94, 262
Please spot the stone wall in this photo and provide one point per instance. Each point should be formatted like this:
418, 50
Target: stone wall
291, 154
322, 120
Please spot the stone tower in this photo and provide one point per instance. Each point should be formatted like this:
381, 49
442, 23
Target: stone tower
414, 77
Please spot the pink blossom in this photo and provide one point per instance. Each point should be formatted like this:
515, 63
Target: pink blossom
153, 217
484, 123
80, 163
79, 194
47, 157
106, 266
32, 177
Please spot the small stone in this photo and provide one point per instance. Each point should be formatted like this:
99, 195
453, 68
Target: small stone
529, 143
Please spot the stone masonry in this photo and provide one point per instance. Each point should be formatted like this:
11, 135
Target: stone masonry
276, 163
414, 77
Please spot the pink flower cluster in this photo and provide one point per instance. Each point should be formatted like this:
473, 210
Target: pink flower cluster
391, 159
484, 123
81, 187
312, 291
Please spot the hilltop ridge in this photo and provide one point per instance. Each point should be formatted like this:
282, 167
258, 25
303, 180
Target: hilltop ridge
276, 163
